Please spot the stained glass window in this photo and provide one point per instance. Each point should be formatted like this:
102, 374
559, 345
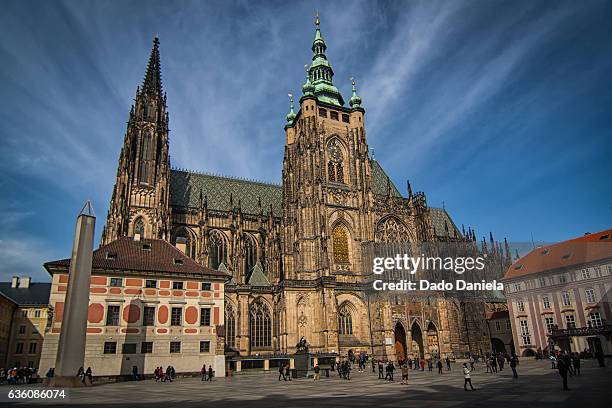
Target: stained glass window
250, 253
345, 321
139, 228
218, 249
340, 245
230, 326
261, 325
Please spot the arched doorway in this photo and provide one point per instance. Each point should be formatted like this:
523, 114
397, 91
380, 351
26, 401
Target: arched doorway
433, 344
417, 341
498, 346
400, 342
529, 353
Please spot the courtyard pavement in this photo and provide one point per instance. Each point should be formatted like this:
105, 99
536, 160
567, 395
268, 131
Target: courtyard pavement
537, 386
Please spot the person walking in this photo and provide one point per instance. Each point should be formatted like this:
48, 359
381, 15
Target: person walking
390, 368
448, 363
513, 367
203, 372
576, 363
466, 377
562, 367
316, 370
553, 361
210, 373
471, 363
422, 364
488, 365
281, 373
380, 370
287, 372
439, 365
373, 366
89, 375
500, 362
430, 364
493, 365
405, 371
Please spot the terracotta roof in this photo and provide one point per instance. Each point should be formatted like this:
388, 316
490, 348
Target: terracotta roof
146, 255
574, 252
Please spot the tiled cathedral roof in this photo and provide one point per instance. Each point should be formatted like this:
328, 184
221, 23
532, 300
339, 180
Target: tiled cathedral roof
185, 192
438, 216
380, 179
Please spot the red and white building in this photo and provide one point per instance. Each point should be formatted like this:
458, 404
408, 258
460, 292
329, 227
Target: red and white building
559, 296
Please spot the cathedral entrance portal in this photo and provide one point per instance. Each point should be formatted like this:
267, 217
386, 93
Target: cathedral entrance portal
417, 341
400, 342
433, 344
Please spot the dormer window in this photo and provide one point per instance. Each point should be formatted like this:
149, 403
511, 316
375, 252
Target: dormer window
178, 261
111, 255
146, 247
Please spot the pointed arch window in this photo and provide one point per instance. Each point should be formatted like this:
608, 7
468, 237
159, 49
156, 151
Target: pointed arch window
345, 321
217, 253
250, 253
146, 158
335, 166
260, 325
139, 228
183, 236
392, 230
340, 245
230, 326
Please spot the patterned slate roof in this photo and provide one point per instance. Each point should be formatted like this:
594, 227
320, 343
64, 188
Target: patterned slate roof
147, 255
438, 216
380, 179
185, 192
36, 294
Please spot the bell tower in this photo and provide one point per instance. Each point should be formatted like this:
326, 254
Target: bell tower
327, 194
140, 200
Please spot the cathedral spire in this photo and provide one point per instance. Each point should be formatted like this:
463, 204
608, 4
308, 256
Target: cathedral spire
320, 72
152, 82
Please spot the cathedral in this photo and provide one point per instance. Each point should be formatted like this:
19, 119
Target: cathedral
294, 251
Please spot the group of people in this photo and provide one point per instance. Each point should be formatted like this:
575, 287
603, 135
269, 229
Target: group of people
207, 375
163, 376
567, 363
86, 376
15, 375
284, 372
344, 369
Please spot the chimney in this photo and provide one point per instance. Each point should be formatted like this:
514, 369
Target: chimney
24, 282
14, 282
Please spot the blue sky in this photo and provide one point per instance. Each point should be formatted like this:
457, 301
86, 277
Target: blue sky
501, 109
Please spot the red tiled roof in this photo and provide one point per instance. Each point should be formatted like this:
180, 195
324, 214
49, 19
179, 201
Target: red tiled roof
146, 255
574, 252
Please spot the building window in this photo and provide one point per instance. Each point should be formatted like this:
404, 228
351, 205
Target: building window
525, 332
206, 286
175, 346
345, 118
177, 316
542, 282
260, 325
250, 253
205, 316
595, 320
340, 245
110, 347
586, 274
335, 169
230, 326
150, 283
32, 348
562, 279
146, 347
218, 249
517, 287
520, 305
139, 228
128, 348
148, 316
37, 313
570, 321
177, 285
19, 348
205, 346
549, 322
35, 330
116, 282
610, 269
590, 295
597, 271
146, 160
183, 236
322, 113
22, 329
345, 321
508, 325
333, 115
24, 313
112, 315
497, 325
567, 300
546, 302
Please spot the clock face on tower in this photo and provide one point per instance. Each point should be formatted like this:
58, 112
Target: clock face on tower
334, 152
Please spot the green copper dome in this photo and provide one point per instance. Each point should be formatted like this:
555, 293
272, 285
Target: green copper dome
355, 100
308, 88
291, 115
320, 73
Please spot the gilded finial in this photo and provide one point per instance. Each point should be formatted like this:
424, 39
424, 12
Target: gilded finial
317, 21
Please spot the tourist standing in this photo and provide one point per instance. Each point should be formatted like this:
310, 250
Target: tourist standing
576, 363
448, 363
390, 369
493, 365
380, 370
467, 378
210, 373
430, 364
553, 361
203, 372
405, 373
488, 365
439, 364
281, 372
562, 367
89, 375
513, 367
316, 372
422, 364
287, 372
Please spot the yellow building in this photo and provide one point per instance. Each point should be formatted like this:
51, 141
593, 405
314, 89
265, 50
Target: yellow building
26, 321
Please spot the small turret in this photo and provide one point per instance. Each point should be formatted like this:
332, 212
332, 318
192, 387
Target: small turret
291, 115
355, 100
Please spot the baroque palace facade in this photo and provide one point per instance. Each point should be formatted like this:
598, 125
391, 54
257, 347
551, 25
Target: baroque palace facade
294, 251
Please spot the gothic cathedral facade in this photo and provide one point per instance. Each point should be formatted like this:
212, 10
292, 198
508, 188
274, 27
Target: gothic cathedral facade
294, 250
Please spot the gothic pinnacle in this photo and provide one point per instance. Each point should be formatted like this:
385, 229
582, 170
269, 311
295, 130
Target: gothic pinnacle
152, 83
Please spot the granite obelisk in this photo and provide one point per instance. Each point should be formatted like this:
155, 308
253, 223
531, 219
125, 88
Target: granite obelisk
71, 347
